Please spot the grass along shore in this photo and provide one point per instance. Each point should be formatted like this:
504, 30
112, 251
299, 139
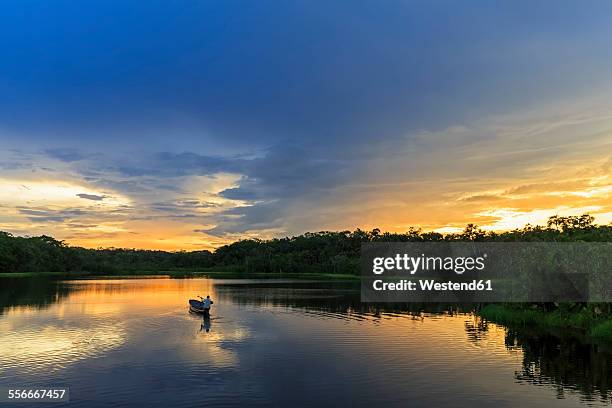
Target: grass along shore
584, 320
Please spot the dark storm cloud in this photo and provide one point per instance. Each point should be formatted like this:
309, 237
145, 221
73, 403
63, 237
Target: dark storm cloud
288, 170
283, 171
285, 174
263, 216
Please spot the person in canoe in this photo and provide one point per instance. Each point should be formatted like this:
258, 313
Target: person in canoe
206, 303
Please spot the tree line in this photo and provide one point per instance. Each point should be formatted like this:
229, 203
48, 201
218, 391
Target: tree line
335, 252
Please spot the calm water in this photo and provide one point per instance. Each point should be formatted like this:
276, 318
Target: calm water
284, 343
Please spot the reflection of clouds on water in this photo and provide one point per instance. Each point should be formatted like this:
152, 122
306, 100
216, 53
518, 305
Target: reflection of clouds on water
216, 348
236, 335
53, 347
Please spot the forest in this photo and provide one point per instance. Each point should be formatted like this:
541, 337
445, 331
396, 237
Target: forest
326, 252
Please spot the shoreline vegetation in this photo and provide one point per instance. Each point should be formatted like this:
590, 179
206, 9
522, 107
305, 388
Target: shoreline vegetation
320, 255
591, 322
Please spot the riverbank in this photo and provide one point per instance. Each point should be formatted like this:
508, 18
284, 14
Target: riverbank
585, 321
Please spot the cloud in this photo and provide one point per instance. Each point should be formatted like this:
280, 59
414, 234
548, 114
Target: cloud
288, 170
48, 215
241, 193
482, 198
262, 217
273, 183
92, 197
168, 164
433, 178
265, 185
67, 155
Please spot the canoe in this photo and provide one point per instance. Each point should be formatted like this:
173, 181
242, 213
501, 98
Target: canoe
196, 306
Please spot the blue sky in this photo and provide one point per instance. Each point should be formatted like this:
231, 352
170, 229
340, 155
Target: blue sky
198, 122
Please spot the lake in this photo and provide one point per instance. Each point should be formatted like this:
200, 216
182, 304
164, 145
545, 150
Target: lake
129, 342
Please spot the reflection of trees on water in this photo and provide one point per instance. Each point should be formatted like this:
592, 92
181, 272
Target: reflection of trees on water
35, 292
564, 362
340, 298
476, 329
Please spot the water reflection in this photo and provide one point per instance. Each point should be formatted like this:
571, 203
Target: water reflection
562, 361
30, 292
333, 299
123, 340
566, 364
206, 323
51, 346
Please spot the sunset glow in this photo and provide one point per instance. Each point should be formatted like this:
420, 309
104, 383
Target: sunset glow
242, 132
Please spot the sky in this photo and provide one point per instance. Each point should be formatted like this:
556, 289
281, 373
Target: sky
191, 124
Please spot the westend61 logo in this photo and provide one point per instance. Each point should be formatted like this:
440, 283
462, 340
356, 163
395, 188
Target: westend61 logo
486, 272
412, 264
